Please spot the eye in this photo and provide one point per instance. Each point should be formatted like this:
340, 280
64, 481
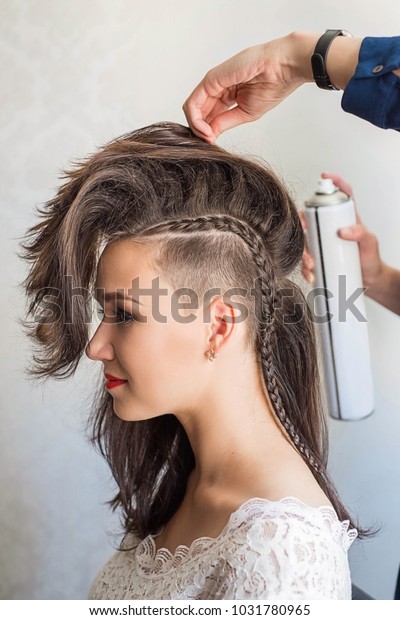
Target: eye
99, 311
120, 317
123, 317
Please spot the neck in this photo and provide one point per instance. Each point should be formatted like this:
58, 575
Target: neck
235, 435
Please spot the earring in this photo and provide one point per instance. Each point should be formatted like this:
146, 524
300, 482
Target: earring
211, 354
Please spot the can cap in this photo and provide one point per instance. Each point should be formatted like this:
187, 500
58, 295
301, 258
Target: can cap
326, 186
326, 195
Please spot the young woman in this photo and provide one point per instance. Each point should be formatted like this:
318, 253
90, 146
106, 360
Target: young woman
210, 416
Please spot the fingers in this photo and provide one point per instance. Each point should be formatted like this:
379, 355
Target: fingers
215, 116
215, 93
308, 266
207, 107
220, 118
194, 117
218, 109
197, 108
344, 187
217, 106
358, 218
303, 220
366, 239
307, 261
355, 233
229, 119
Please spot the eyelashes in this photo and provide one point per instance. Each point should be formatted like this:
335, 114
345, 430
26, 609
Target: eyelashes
124, 317
121, 316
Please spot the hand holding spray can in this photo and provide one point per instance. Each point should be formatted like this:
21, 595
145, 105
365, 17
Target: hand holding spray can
337, 302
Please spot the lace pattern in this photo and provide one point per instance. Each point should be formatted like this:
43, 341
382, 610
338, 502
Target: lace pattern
282, 549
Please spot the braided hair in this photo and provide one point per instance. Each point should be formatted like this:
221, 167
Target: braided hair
267, 327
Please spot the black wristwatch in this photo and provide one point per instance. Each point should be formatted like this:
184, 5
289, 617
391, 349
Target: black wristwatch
318, 59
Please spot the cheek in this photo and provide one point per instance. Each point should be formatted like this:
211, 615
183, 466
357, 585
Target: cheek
164, 364
186, 353
170, 357
148, 351
162, 360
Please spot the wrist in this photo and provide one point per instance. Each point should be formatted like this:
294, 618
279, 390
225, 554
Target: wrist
385, 289
342, 60
380, 282
301, 47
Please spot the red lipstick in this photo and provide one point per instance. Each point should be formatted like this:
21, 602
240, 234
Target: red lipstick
113, 382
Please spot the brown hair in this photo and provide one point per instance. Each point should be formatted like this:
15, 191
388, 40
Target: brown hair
215, 219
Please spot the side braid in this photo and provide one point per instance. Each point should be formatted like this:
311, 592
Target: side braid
267, 326
266, 337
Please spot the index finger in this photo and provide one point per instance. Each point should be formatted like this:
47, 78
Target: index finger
197, 107
303, 219
358, 218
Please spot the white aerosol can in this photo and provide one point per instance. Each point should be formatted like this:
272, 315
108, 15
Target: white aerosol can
338, 306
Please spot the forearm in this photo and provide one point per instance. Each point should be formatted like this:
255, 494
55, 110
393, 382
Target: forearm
386, 290
342, 60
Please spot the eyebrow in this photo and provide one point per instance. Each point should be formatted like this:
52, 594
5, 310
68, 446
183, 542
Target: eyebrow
118, 295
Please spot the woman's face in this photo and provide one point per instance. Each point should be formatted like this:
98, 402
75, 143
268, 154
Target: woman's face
149, 345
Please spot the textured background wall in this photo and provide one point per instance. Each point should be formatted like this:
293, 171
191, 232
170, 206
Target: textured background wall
75, 74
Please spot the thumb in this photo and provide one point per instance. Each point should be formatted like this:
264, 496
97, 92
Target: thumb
229, 119
356, 233
360, 233
349, 232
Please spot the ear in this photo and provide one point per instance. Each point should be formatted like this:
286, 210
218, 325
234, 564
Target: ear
223, 323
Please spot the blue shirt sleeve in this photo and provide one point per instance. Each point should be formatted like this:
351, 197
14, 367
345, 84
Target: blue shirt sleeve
373, 93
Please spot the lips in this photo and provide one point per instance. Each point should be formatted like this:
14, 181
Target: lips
113, 382
112, 378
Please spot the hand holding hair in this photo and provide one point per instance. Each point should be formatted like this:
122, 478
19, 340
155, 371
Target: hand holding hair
254, 81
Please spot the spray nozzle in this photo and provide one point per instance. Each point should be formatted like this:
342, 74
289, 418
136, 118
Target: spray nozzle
326, 186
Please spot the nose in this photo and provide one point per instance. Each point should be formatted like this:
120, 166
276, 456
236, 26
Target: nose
100, 347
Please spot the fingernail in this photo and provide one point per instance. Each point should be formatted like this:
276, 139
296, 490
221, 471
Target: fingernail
311, 278
346, 231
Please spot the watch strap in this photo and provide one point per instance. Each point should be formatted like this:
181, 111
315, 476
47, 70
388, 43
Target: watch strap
318, 59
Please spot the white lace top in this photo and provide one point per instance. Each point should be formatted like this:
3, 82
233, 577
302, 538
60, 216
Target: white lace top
283, 549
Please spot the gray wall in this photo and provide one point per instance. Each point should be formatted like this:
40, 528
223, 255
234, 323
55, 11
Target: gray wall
75, 74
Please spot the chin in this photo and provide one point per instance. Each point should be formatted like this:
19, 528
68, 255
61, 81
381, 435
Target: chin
129, 416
